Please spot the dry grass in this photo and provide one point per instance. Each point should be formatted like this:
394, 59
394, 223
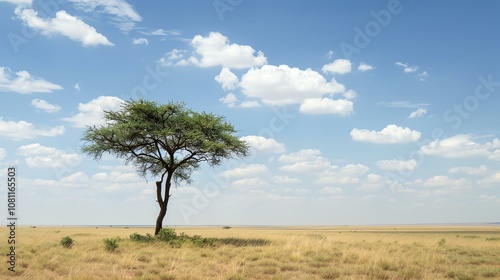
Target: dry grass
263, 253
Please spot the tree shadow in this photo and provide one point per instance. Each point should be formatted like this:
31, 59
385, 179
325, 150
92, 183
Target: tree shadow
241, 242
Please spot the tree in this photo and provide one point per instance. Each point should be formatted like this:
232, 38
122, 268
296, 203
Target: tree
167, 141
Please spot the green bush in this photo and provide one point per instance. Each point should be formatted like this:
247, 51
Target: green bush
67, 242
111, 243
141, 238
166, 234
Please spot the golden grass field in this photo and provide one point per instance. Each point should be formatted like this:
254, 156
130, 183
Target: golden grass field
349, 252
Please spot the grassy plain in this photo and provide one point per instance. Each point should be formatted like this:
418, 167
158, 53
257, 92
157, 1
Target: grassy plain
348, 252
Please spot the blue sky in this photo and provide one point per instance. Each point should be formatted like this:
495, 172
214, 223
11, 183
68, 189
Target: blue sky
356, 112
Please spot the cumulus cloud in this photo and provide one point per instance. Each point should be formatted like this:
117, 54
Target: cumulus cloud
122, 13
350, 94
482, 169
282, 85
306, 160
348, 174
215, 50
25, 130
76, 178
374, 182
338, 66
332, 190
417, 113
227, 79
322, 106
363, 67
250, 182
140, 41
397, 165
38, 156
285, 180
22, 82
245, 171
63, 24
45, 106
261, 144
443, 181
391, 134
91, 113
230, 100
490, 181
406, 67
459, 146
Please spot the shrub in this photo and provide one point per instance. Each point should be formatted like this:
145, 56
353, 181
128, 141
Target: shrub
111, 244
67, 242
226, 227
166, 234
141, 238
442, 242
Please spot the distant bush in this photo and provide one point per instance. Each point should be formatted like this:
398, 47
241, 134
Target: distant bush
141, 238
442, 242
226, 227
111, 243
168, 235
67, 242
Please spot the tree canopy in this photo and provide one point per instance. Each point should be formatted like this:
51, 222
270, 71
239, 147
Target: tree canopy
167, 141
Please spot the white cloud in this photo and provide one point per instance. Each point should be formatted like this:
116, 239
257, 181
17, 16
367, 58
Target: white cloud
76, 178
250, 104
24, 130
19, 2
338, 66
302, 155
245, 171
365, 67
227, 79
397, 165
495, 155
282, 85
348, 174
23, 82
417, 113
322, 106
482, 169
38, 156
443, 181
422, 76
391, 134
306, 160
459, 146
63, 24
350, 94
407, 68
173, 57
402, 104
250, 182
285, 180
140, 41
92, 113
45, 106
490, 181
77, 87
160, 32
230, 100
261, 144
122, 13
373, 182
215, 50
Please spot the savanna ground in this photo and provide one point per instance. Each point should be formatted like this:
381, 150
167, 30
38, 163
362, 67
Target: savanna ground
396, 252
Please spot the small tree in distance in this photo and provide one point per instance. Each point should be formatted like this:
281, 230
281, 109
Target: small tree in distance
167, 141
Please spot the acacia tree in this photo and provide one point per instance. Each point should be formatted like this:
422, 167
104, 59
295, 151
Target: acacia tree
167, 141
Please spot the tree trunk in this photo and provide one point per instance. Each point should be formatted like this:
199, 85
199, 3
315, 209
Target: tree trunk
163, 202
